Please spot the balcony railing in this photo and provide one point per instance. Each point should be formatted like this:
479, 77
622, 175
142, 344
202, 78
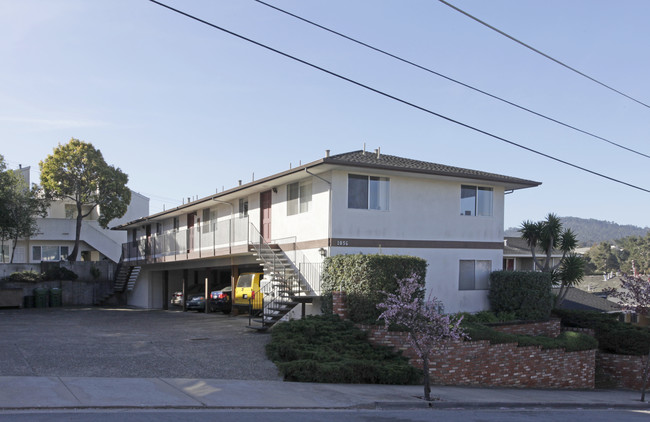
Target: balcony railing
208, 240
216, 239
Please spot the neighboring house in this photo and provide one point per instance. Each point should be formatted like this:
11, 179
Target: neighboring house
357, 202
581, 300
518, 257
57, 233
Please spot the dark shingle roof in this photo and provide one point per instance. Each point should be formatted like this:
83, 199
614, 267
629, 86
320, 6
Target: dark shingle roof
577, 299
391, 162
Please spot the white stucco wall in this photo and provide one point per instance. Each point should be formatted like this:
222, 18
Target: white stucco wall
419, 209
305, 226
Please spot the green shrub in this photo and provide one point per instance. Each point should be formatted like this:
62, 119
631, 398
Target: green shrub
613, 336
327, 349
526, 294
60, 273
25, 276
570, 341
488, 317
364, 277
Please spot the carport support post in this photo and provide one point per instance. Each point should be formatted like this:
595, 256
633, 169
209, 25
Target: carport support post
184, 290
207, 288
165, 290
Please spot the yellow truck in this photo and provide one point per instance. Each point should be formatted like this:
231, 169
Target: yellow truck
247, 292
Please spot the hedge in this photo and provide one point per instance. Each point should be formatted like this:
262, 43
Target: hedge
526, 294
613, 336
364, 277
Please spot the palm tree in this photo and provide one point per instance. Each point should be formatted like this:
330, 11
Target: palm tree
549, 236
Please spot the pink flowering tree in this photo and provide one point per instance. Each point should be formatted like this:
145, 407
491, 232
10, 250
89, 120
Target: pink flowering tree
428, 328
634, 295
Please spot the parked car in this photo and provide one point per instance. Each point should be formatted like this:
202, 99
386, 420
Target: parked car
221, 300
177, 297
196, 302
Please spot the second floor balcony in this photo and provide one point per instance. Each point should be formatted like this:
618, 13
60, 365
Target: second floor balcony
215, 239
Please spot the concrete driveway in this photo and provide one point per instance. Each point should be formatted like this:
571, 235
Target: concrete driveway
113, 342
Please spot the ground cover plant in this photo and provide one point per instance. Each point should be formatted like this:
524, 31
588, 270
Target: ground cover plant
325, 348
570, 341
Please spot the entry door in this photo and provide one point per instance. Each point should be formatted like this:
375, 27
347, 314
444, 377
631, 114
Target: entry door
265, 215
190, 232
147, 250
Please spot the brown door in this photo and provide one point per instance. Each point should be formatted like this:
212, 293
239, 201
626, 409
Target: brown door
190, 232
147, 250
265, 215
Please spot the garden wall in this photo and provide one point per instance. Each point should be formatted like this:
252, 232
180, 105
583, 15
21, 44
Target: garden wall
623, 371
502, 365
86, 290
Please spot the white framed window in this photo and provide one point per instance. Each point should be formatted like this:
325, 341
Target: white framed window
205, 224
368, 192
243, 208
49, 253
70, 211
476, 200
474, 274
298, 197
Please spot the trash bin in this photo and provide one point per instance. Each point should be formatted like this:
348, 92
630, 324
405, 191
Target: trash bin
55, 297
28, 301
41, 297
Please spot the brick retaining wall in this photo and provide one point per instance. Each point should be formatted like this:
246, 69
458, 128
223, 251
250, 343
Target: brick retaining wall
503, 365
625, 371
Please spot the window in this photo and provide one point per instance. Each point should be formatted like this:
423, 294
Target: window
474, 275
49, 253
476, 200
298, 197
243, 208
206, 220
70, 211
176, 224
368, 192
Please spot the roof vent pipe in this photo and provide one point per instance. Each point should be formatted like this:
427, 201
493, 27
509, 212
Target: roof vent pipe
327, 153
378, 151
239, 182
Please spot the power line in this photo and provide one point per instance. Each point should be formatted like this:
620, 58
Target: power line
426, 69
542, 53
377, 91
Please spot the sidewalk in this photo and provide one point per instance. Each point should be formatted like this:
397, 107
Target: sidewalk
160, 393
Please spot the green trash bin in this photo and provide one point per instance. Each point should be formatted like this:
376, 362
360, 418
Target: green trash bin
55, 297
28, 301
41, 297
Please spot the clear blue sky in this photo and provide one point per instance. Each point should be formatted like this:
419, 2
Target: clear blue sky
185, 110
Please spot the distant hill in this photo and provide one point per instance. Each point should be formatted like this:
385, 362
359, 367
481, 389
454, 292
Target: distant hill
591, 232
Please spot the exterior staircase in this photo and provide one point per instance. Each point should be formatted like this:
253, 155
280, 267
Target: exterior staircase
281, 286
125, 279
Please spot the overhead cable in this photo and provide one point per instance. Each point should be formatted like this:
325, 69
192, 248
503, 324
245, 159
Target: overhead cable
426, 69
377, 91
542, 53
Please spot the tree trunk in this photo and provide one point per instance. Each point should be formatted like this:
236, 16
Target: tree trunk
427, 379
75, 251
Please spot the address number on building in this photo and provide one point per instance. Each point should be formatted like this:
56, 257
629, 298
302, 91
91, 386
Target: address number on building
342, 243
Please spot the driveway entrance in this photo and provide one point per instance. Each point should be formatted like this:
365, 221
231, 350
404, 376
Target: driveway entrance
103, 342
